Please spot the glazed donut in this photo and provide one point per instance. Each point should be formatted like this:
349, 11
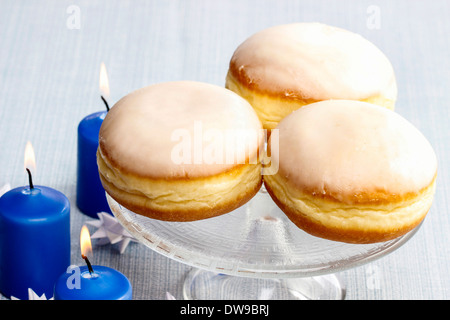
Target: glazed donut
351, 171
282, 68
180, 151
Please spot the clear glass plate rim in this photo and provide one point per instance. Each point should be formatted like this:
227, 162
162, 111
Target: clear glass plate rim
194, 258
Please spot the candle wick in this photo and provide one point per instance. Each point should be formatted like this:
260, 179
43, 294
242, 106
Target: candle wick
88, 264
106, 103
30, 179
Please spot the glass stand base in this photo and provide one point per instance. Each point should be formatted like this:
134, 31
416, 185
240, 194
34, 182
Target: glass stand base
205, 285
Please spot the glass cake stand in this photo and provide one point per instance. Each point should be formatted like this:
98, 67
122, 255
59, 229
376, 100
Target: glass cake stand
254, 252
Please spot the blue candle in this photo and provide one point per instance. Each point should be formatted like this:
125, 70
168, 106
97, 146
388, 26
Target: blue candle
91, 282
102, 284
91, 197
34, 240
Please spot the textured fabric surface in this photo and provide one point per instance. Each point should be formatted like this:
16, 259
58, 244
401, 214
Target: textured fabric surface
49, 67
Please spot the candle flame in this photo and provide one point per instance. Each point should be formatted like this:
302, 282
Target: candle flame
104, 82
29, 158
85, 242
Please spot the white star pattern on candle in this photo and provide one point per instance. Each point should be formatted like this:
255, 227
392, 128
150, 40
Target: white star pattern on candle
33, 296
110, 231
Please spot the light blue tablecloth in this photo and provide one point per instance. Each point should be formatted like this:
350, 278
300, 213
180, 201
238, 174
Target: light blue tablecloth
49, 66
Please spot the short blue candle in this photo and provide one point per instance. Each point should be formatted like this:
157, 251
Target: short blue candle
103, 284
91, 197
34, 240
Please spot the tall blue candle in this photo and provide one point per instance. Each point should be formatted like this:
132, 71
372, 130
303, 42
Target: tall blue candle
91, 197
34, 240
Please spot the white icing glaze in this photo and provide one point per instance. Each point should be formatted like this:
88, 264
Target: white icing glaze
347, 147
315, 61
146, 131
